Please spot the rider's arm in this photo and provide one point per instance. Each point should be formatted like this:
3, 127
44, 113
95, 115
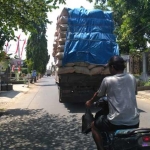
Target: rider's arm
102, 89
100, 93
94, 97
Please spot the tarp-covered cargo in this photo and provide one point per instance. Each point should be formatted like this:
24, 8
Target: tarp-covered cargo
89, 37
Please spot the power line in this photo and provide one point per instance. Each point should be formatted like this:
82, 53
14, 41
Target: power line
140, 29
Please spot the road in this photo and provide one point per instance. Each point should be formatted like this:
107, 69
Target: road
37, 121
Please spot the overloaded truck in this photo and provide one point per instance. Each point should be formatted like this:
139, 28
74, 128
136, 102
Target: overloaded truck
48, 72
83, 44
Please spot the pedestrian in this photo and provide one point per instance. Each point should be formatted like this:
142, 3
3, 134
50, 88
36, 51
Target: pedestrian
34, 75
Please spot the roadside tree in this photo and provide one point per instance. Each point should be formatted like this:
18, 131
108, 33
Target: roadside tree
36, 51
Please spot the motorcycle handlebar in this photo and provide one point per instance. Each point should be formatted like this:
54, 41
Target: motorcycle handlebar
101, 101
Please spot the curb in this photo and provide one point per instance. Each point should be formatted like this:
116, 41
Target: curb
6, 100
143, 88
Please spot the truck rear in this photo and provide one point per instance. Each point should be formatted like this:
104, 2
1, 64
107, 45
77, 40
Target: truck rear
84, 42
48, 72
76, 87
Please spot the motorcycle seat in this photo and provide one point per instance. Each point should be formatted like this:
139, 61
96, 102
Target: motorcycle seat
123, 132
129, 132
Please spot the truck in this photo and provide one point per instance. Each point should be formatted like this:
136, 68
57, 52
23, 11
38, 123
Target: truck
48, 72
84, 44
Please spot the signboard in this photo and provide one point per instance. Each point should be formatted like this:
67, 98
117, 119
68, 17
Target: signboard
16, 62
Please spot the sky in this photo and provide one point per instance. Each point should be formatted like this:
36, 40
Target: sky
50, 28
12, 45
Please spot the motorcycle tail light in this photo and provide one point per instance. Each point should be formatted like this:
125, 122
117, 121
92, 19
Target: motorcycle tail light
146, 139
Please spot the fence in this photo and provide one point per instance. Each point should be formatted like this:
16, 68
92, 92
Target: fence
136, 63
148, 63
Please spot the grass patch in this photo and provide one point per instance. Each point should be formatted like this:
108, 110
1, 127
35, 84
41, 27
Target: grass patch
140, 82
2, 110
147, 83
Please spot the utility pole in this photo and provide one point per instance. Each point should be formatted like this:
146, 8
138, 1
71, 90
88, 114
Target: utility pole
19, 48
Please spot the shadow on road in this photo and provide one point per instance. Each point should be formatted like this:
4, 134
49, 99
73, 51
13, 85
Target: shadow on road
38, 130
79, 107
45, 84
140, 110
11, 94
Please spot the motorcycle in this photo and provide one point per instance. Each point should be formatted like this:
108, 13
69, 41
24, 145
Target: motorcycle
124, 139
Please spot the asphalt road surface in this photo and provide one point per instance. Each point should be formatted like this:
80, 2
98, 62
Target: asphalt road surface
37, 121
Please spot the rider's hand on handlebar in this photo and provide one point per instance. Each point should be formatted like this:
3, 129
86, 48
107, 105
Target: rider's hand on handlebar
88, 103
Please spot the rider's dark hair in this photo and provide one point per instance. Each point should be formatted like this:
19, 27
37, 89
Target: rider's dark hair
117, 62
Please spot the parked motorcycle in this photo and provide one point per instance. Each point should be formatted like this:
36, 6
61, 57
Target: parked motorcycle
124, 139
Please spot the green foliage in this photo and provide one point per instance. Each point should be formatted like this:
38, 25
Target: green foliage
29, 63
2, 55
141, 82
101, 6
98, 1
133, 26
37, 52
18, 14
144, 83
147, 83
136, 76
24, 70
132, 22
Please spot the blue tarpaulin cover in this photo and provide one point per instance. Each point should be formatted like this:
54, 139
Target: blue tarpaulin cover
90, 37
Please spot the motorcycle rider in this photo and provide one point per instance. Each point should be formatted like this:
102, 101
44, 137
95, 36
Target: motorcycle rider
121, 90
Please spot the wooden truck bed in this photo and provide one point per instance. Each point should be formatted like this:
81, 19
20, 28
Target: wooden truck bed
76, 87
